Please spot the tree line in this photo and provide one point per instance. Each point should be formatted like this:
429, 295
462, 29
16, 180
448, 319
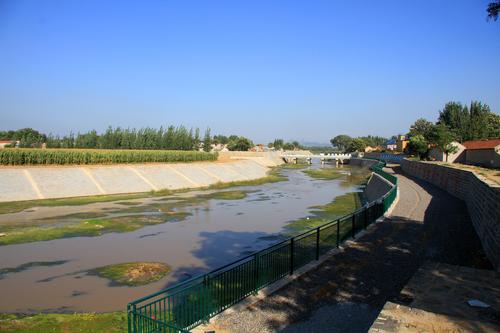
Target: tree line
345, 143
456, 122
169, 138
279, 144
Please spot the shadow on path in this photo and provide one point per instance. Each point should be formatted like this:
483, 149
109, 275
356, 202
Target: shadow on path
347, 291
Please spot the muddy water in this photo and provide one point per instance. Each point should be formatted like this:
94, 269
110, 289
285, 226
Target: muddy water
216, 232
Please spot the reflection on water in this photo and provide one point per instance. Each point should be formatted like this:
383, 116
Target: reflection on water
215, 231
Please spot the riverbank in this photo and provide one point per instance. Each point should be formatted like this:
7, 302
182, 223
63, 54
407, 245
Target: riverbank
53, 182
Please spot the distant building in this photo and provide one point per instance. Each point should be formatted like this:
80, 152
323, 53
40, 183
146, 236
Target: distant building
483, 153
391, 145
458, 157
370, 149
4, 143
402, 143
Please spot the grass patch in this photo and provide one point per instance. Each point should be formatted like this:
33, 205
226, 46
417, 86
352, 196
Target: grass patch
273, 176
324, 174
114, 322
227, 195
29, 265
89, 228
340, 206
17, 206
133, 273
298, 166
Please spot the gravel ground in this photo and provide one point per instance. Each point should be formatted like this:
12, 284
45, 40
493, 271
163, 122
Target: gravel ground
347, 291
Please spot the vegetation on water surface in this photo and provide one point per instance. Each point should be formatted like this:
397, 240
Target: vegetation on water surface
17, 206
133, 273
295, 166
29, 265
115, 322
325, 173
321, 214
20, 233
28, 156
227, 195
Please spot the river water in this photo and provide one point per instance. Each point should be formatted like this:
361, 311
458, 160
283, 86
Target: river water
215, 233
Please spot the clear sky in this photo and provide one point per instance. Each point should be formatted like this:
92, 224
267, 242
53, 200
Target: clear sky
305, 70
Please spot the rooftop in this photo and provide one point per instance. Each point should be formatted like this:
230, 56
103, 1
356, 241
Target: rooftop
481, 144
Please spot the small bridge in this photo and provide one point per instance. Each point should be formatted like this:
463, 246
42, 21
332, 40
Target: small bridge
338, 158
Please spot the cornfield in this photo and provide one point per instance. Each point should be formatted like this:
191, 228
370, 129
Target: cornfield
23, 156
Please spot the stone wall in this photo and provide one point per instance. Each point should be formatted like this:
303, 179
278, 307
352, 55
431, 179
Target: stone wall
481, 197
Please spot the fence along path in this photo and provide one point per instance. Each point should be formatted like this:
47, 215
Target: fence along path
194, 301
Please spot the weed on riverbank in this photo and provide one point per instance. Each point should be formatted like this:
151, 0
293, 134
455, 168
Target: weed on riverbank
115, 322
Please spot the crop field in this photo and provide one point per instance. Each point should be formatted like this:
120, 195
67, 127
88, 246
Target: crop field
30, 156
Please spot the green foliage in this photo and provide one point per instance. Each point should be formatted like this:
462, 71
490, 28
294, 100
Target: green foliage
418, 145
341, 141
207, 141
115, 322
373, 140
222, 139
474, 123
345, 143
441, 137
493, 9
94, 156
239, 143
340, 206
357, 144
325, 174
421, 127
27, 137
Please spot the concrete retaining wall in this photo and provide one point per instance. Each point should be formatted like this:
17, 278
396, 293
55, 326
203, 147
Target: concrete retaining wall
482, 199
362, 162
377, 187
30, 183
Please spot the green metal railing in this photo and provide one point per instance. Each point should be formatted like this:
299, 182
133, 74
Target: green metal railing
194, 301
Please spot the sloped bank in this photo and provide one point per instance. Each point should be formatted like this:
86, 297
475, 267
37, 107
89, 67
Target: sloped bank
32, 183
482, 199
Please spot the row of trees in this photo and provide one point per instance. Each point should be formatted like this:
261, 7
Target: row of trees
345, 143
456, 122
279, 144
170, 138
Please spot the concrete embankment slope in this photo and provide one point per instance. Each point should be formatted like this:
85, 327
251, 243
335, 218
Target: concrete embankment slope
31, 183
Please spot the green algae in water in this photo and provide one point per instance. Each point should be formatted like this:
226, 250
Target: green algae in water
89, 228
29, 265
340, 206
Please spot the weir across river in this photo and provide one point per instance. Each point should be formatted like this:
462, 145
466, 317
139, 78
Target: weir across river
338, 158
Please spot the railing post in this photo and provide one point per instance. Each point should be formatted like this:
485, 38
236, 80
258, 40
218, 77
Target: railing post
129, 320
366, 215
292, 241
353, 225
317, 243
338, 233
256, 272
205, 306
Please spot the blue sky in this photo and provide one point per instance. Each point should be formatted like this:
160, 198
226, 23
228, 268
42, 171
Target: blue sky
305, 70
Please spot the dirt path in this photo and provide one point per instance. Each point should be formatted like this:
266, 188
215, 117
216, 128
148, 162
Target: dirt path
346, 293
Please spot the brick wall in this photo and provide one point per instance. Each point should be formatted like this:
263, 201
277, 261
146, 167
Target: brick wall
482, 200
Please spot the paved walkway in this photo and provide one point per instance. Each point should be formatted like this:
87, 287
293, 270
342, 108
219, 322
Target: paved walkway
347, 292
